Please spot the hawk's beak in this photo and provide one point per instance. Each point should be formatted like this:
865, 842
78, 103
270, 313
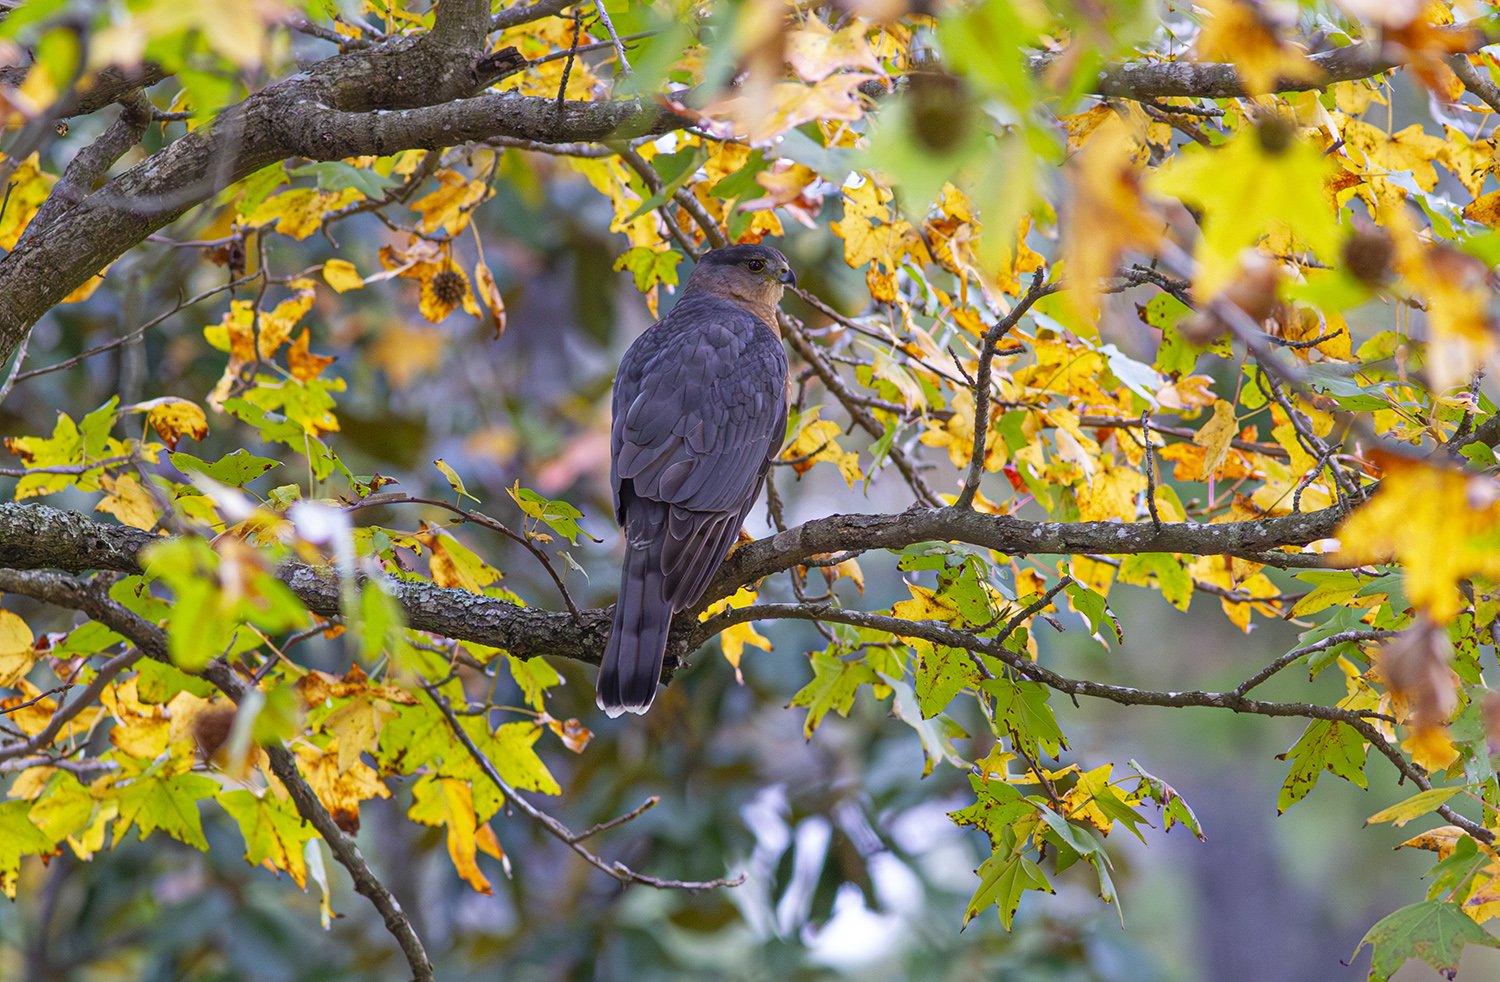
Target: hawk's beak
788, 277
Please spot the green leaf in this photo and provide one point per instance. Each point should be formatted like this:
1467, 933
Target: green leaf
1414, 807
169, 803
1325, 745
942, 674
509, 748
535, 676
649, 267
1172, 577
997, 807
1002, 880
1175, 355
18, 837
1434, 931
157, 682
335, 175
560, 516
833, 686
1022, 707
273, 829
235, 470
1092, 606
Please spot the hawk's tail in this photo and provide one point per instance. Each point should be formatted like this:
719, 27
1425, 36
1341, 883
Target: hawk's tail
638, 644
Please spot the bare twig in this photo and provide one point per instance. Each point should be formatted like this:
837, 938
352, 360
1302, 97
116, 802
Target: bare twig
1036, 291
557, 829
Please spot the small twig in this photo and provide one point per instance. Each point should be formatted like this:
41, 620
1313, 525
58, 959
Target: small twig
615, 38
557, 829
63, 468
1035, 608
1284, 343
594, 830
1150, 455
60, 718
568, 65
1331, 641
1036, 291
1015, 744
15, 368
127, 338
479, 518
36, 699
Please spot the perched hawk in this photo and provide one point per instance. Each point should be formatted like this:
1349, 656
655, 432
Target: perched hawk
699, 411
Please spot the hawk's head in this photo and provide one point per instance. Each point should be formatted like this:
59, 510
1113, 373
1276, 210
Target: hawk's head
751, 274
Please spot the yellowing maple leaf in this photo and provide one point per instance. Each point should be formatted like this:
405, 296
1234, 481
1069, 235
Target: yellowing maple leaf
450, 206
819, 441
1246, 189
1423, 517
16, 653
734, 638
450, 801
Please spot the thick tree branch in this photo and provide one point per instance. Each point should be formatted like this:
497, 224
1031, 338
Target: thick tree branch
35, 537
1143, 81
400, 95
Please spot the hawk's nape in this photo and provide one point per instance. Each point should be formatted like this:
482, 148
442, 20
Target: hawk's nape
699, 412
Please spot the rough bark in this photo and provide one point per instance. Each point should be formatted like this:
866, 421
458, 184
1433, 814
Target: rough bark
38, 537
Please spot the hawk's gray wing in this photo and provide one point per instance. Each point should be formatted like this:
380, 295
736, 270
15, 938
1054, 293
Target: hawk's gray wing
700, 408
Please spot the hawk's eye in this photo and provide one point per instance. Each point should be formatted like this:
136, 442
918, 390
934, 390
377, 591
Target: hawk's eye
756, 265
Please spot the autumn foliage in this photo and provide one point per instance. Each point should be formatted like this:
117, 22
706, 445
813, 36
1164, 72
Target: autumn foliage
1104, 299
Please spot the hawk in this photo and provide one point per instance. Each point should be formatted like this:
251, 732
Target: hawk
699, 411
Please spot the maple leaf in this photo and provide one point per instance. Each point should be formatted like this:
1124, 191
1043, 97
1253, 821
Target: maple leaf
18, 837
449, 801
157, 800
16, 652
1425, 518
1324, 745
833, 686
732, 639
1434, 931
1257, 182
274, 832
450, 205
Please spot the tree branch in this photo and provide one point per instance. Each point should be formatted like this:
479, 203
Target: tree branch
1146, 81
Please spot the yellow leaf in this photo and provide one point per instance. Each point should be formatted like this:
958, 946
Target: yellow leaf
484, 285
1111, 494
1109, 212
339, 791
16, 652
304, 364
128, 501
299, 212
449, 801
1238, 32
276, 326
357, 724
30, 187
342, 276
172, 418
450, 205
1261, 180
818, 441
1414, 807
816, 51
1215, 437
1422, 517
733, 639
